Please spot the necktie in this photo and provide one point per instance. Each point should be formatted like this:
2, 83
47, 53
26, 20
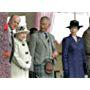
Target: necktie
46, 37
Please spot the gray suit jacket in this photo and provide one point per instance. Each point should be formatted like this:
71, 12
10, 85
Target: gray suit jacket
40, 49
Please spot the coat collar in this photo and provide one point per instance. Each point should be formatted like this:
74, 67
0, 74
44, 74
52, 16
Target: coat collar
78, 38
18, 41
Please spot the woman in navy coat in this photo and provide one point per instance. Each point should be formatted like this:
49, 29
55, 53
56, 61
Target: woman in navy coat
73, 53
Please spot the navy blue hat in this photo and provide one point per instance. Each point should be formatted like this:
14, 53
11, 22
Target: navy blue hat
74, 23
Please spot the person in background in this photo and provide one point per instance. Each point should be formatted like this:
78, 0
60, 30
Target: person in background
43, 50
73, 53
21, 62
86, 37
11, 26
33, 30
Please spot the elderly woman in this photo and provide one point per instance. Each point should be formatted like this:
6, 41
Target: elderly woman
73, 53
21, 62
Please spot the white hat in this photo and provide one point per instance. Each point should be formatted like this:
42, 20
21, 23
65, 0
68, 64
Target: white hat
22, 29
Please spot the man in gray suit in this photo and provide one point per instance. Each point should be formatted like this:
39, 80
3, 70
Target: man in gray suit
42, 48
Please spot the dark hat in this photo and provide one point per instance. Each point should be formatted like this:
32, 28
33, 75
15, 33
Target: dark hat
33, 30
74, 23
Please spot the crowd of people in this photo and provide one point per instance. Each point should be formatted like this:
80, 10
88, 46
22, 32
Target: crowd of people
36, 57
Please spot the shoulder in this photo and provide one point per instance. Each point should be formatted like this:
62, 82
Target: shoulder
34, 35
80, 38
66, 39
16, 41
87, 31
52, 36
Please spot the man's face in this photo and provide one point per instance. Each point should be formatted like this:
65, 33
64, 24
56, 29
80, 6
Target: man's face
14, 22
44, 25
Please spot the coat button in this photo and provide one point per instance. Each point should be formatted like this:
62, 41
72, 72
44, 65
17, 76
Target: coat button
23, 44
27, 62
26, 52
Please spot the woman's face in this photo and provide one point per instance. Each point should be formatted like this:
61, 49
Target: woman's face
74, 30
21, 36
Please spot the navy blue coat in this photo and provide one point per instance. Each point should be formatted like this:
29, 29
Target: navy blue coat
73, 57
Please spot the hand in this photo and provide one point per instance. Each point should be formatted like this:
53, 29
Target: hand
54, 54
48, 67
6, 54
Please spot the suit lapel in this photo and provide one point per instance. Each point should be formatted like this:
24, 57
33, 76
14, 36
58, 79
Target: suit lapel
78, 40
43, 39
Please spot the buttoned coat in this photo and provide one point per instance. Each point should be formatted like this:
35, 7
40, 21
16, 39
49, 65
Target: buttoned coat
21, 62
73, 57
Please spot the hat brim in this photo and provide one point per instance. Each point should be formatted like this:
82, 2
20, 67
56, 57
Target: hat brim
26, 31
73, 26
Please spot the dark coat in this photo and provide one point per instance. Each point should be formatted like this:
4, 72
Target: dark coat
86, 37
73, 57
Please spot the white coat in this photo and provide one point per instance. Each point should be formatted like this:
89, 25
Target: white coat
21, 62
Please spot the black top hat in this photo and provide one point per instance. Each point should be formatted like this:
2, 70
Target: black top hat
74, 23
